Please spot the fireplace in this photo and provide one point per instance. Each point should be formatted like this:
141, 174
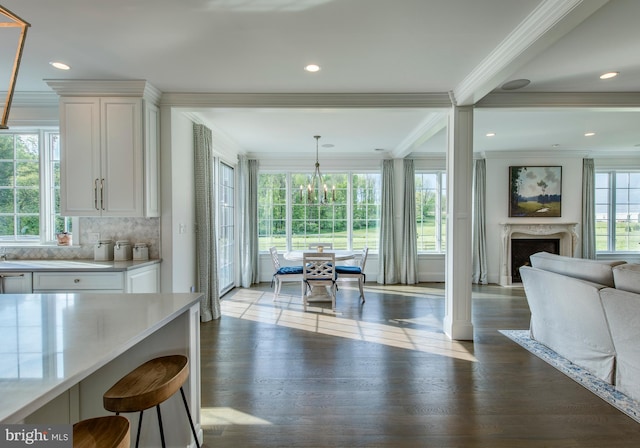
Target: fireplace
522, 248
564, 234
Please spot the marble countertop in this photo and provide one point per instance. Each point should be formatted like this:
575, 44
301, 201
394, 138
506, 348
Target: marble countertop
72, 265
50, 342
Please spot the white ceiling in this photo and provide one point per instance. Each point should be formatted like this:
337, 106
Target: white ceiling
467, 48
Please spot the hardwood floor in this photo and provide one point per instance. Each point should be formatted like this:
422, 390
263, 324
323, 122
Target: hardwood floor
383, 374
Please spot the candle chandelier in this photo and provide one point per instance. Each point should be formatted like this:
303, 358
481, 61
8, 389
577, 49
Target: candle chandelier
317, 190
9, 20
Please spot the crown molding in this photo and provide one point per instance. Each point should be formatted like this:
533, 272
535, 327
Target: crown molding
309, 100
103, 87
597, 100
546, 24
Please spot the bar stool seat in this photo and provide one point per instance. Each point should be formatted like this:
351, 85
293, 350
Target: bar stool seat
147, 386
111, 431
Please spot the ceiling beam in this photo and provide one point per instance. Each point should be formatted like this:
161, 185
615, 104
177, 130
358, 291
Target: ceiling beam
434, 123
546, 24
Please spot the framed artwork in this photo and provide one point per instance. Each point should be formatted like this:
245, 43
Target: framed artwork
535, 191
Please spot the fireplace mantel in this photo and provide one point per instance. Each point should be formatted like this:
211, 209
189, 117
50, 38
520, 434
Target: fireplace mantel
565, 232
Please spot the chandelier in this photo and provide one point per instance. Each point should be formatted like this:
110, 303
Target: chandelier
14, 22
317, 191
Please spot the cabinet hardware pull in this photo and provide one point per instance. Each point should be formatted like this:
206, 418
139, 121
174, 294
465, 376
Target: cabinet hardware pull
76, 280
95, 194
102, 193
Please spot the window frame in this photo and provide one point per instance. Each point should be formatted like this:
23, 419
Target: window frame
291, 190
611, 203
47, 189
440, 210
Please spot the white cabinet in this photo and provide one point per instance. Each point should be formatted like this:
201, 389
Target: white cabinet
138, 280
101, 154
16, 282
146, 279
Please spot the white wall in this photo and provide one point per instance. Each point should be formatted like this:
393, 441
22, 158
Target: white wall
178, 202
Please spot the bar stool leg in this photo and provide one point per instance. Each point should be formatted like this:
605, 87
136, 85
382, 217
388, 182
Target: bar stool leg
139, 427
161, 429
186, 406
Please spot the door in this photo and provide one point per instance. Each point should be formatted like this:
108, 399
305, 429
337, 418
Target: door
226, 233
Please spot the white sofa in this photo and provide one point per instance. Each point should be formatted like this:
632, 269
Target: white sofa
588, 312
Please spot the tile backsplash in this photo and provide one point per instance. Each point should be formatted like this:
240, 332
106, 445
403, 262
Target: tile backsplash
136, 230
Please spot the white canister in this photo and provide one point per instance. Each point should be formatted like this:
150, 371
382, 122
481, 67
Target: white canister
103, 250
122, 250
140, 251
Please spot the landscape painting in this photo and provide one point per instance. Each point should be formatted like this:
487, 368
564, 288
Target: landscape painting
535, 191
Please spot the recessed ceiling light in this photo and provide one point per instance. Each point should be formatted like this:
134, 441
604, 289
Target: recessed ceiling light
60, 65
312, 68
491, 134
609, 75
515, 84
589, 134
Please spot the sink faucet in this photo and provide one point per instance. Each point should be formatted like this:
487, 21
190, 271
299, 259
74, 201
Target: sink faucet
3, 254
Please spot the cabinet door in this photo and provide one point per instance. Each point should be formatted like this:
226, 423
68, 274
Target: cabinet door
16, 283
122, 182
144, 280
79, 156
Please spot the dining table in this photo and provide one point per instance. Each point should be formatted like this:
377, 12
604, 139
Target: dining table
320, 294
341, 255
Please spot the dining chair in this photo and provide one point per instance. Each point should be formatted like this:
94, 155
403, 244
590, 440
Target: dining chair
314, 246
282, 273
348, 272
319, 269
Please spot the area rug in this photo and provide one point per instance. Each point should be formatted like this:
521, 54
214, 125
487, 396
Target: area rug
602, 389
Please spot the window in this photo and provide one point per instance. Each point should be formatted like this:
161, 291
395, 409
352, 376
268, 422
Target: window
617, 211
30, 187
431, 216
288, 220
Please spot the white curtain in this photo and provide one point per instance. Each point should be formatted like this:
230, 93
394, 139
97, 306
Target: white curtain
248, 238
387, 272
409, 256
588, 209
206, 251
479, 223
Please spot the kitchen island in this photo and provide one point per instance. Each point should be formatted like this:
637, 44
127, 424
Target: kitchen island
61, 352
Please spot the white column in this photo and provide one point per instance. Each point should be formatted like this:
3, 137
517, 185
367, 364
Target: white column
457, 320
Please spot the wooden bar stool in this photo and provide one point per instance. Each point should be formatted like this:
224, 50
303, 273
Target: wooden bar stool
149, 385
111, 431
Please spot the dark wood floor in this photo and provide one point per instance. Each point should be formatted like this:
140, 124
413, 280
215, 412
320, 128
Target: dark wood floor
384, 375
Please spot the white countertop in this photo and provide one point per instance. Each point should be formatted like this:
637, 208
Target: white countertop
72, 265
52, 341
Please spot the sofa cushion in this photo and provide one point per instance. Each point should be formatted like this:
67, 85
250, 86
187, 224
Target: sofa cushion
627, 277
600, 272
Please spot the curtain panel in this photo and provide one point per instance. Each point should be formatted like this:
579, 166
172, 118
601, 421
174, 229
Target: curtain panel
588, 209
409, 255
206, 248
479, 239
248, 238
387, 272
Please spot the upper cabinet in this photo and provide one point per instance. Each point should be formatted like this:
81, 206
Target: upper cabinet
108, 150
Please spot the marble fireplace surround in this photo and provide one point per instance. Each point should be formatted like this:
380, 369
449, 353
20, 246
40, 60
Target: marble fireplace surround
565, 232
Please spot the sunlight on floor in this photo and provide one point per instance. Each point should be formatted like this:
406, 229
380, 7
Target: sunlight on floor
258, 306
228, 416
